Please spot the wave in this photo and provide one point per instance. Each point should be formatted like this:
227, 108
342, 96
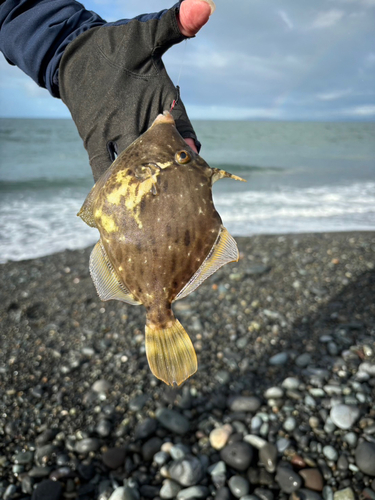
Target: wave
43, 183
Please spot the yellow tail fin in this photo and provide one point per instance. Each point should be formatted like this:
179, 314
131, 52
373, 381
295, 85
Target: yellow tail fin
170, 353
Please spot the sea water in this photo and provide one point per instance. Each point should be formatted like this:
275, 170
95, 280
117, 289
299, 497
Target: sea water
301, 177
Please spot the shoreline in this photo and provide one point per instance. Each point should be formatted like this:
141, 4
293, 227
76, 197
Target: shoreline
296, 306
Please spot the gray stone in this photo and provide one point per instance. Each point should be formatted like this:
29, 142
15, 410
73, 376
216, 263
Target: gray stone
186, 471
290, 424
306, 494
287, 479
303, 360
23, 458
178, 451
146, 428
291, 383
344, 416
48, 489
137, 403
86, 445
169, 489
330, 453
264, 494
161, 457
173, 421
279, 359
274, 392
239, 486
151, 447
101, 386
365, 458
237, 455
223, 494
244, 403
268, 457
193, 492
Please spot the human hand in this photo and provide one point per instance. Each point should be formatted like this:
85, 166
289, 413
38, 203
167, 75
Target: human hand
114, 82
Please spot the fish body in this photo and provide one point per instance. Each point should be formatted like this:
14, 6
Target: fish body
160, 237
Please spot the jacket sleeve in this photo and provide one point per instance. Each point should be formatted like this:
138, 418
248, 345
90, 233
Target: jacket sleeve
34, 35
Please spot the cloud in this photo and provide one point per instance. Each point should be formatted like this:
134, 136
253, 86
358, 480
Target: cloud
327, 19
367, 110
333, 95
284, 16
365, 3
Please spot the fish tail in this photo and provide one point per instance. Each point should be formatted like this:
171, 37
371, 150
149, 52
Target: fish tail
170, 352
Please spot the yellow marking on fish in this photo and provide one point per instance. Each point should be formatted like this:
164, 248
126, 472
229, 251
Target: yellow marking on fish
166, 164
108, 224
120, 268
129, 260
131, 194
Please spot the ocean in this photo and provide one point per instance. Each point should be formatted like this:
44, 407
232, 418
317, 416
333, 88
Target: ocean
301, 177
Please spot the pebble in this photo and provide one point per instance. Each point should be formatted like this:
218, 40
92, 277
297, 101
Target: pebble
290, 424
303, 360
146, 428
306, 494
279, 359
330, 453
137, 403
113, 458
268, 457
223, 494
86, 445
344, 416
244, 403
161, 458
173, 421
365, 458
287, 479
351, 439
193, 492
237, 455
312, 478
23, 458
186, 471
151, 447
264, 494
256, 441
239, 486
274, 392
169, 489
291, 383
220, 436
48, 490
178, 451
101, 386
345, 494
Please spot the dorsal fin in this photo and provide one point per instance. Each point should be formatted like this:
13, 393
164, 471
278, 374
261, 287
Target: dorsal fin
223, 251
221, 174
105, 279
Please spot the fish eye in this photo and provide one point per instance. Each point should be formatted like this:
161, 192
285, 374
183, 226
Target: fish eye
183, 157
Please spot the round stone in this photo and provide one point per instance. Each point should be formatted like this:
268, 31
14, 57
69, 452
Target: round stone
237, 455
146, 428
169, 489
86, 445
344, 416
173, 421
365, 458
291, 383
178, 451
113, 458
193, 492
268, 457
101, 386
330, 453
290, 424
279, 359
287, 479
244, 403
303, 360
239, 486
274, 393
151, 447
223, 494
186, 471
23, 458
220, 436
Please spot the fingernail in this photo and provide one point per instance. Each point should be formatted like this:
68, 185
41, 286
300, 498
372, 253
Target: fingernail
211, 4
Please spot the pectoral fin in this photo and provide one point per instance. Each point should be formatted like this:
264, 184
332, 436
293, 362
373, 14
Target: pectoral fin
170, 353
224, 250
105, 278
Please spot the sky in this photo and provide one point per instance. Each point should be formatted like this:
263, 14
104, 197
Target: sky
255, 59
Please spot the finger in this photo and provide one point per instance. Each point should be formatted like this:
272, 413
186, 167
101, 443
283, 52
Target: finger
190, 142
193, 15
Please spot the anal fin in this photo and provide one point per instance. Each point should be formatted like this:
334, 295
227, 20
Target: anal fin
170, 353
105, 278
223, 251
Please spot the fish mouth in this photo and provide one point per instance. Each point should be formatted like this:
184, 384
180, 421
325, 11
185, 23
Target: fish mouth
166, 117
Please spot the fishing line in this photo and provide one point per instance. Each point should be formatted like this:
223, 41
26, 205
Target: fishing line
175, 101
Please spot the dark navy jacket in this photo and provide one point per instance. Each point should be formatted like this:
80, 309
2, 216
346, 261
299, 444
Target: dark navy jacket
35, 33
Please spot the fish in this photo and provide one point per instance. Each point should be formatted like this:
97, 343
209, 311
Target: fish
160, 238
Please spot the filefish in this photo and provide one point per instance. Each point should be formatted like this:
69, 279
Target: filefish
160, 238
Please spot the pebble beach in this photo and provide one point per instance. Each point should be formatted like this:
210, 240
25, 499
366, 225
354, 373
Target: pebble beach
282, 406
